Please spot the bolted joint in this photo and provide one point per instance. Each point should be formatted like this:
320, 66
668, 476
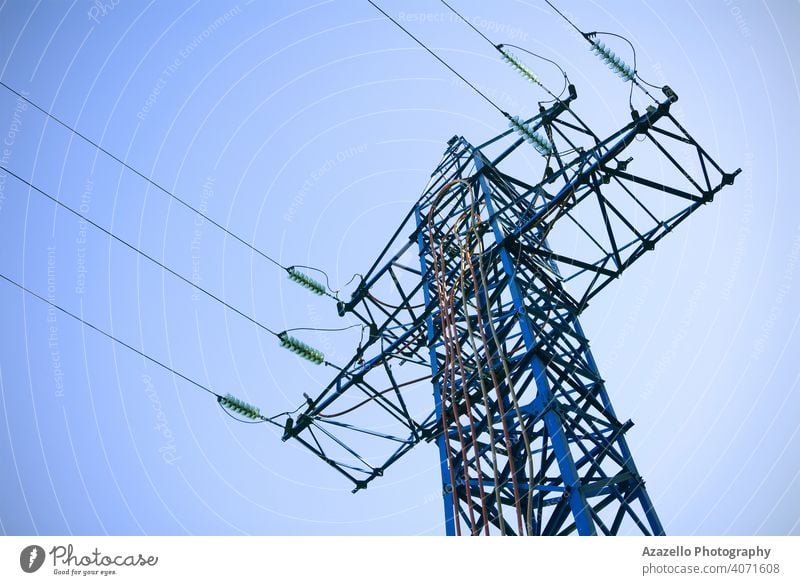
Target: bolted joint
728, 178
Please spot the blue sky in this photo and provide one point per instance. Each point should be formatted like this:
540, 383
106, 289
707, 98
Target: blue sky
309, 129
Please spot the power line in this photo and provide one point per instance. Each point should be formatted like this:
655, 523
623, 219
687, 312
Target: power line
438, 58
472, 26
108, 335
572, 24
282, 336
325, 329
163, 189
634, 76
374, 397
139, 352
499, 49
138, 251
519, 66
143, 176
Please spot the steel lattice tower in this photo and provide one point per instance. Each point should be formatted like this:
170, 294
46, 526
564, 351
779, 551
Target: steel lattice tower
478, 295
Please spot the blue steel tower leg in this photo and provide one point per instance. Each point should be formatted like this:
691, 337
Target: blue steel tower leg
639, 493
505, 329
441, 443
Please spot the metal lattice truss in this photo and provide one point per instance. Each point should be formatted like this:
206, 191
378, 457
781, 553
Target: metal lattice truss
477, 296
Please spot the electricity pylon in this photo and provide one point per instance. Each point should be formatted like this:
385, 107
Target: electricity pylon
478, 294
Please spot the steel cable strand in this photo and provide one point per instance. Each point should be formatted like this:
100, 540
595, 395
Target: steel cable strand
442, 397
515, 485
444, 310
485, 395
450, 345
449, 322
514, 399
459, 355
485, 287
501, 408
448, 383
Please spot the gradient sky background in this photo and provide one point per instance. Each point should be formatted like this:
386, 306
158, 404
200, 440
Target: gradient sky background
309, 129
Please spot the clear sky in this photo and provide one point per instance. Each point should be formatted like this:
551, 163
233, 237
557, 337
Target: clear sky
309, 129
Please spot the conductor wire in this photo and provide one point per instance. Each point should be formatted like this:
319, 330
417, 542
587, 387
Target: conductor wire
438, 58
140, 252
143, 176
